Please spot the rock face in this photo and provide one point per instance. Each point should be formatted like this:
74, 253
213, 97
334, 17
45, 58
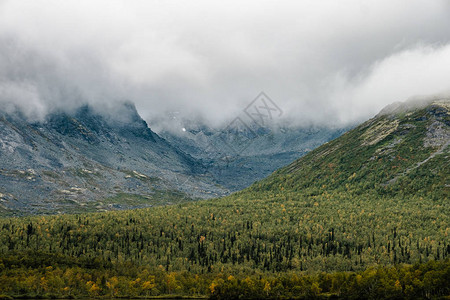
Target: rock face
88, 160
238, 155
68, 162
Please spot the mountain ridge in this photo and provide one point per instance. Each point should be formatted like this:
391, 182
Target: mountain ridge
393, 137
70, 160
250, 152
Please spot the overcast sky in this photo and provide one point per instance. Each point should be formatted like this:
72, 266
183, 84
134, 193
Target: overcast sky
326, 62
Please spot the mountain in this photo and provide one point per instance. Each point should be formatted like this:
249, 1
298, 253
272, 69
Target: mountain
92, 160
365, 216
244, 149
88, 160
403, 151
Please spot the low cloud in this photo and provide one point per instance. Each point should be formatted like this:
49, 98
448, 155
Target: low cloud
320, 61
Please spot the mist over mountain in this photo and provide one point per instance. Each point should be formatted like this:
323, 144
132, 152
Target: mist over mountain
90, 161
322, 63
92, 158
242, 151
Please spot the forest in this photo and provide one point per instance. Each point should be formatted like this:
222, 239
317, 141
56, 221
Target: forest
278, 247
46, 275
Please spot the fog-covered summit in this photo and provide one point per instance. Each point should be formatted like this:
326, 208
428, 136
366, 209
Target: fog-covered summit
76, 160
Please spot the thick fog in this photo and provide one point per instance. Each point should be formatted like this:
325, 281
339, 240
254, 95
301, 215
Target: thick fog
323, 62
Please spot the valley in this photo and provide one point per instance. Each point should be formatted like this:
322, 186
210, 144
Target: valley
364, 215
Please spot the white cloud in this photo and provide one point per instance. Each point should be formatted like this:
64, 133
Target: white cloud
419, 71
321, 61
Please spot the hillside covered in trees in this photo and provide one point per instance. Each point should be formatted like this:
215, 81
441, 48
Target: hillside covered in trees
364, 216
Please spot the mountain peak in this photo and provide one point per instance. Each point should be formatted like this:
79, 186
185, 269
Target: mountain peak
89, 122
87, 155
414, 104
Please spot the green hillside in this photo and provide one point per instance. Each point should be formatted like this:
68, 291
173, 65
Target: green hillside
364, 216
401, 152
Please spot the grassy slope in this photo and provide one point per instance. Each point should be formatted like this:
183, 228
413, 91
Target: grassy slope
369, 158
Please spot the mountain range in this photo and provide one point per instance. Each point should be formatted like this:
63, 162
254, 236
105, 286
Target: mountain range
91, 160
247, 151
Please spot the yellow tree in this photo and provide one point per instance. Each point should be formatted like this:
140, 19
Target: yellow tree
149, 285
111, 284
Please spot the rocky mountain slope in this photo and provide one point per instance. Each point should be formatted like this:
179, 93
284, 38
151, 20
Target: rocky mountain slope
249, 152
87, 160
